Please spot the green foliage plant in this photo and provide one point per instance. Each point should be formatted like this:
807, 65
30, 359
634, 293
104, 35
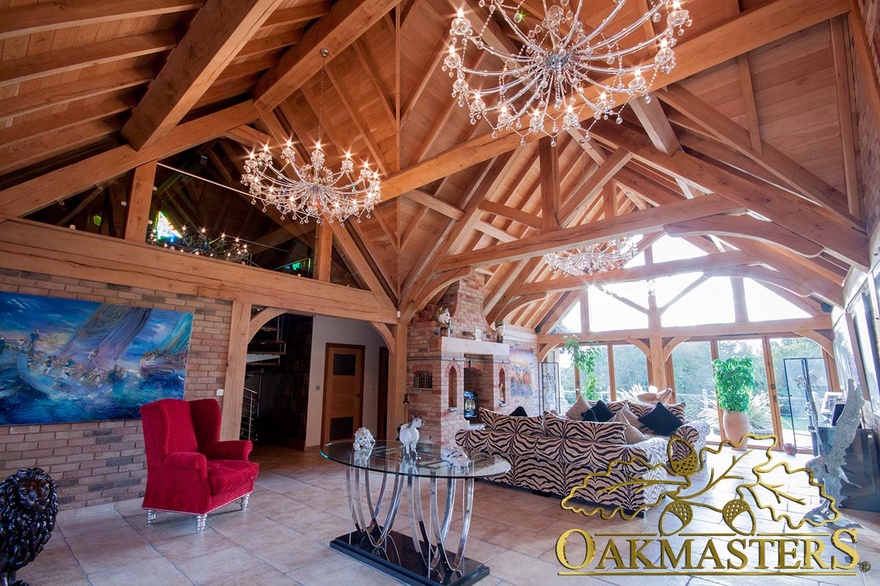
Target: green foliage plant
734, 381
584, 359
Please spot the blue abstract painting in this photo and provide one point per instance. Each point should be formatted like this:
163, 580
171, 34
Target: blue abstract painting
64, 360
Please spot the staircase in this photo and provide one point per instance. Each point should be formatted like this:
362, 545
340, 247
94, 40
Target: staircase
266, 348
250, 410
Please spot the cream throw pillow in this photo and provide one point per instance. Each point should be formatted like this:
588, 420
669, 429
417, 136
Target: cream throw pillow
579, 407
631, 432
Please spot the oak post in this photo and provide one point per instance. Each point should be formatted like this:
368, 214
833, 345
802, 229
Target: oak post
236, 361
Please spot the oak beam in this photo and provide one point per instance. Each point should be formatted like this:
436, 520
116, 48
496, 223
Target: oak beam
346, 22
748, 227
656, 124
599, 231
640, 273
236, 364
823, 226
138, 209
508, 212
29, 196
593, 186
323, 251
551, 199
215, 36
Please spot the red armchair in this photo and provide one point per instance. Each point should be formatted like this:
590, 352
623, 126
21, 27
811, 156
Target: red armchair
188, 469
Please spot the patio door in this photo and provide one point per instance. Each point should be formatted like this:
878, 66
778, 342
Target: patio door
343, 391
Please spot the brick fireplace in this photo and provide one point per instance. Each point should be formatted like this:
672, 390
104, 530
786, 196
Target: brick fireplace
442, 365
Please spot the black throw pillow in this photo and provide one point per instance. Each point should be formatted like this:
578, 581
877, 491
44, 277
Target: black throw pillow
661, 420
519, 412
603, 413
599, 413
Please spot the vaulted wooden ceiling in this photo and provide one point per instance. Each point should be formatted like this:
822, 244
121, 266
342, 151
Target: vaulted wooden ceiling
747, 147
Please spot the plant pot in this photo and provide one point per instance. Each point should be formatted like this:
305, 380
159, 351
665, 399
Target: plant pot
736, 425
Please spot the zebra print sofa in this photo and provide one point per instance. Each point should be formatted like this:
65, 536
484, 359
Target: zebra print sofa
553, 455
693, 432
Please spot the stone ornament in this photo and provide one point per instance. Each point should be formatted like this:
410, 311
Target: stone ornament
363, 440
455, 456
409, 436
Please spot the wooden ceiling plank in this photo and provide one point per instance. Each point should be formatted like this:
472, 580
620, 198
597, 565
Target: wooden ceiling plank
600, 231
367, 265
842, 76
769, 157
749, 30
63, 60
811, 221
69, 117
864, 59
381, 94
215, 36
656, 125
363, 127
297, 15
411, 228
390, 234
437, 55
347, 20
70, 92
640, 273
593, 186
39, 18
29, 196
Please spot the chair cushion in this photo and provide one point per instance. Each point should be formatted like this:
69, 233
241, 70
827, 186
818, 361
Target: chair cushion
226, 474
661, 420
181, 433
519, 412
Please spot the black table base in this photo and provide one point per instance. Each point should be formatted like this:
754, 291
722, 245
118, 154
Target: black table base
397, 557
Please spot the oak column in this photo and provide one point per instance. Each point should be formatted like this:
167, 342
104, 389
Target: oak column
236, 361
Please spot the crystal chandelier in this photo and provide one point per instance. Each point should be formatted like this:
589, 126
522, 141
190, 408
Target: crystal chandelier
311, 190
549, 79
595, 258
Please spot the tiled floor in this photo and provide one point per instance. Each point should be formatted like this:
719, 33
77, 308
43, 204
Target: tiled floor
299, 506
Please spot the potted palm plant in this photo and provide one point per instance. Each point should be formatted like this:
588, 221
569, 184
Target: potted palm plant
734, 381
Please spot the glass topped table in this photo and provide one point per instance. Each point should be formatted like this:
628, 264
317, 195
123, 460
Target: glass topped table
422, 557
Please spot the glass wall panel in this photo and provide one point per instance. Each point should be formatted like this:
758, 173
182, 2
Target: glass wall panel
797, 362
760, 416
692, 369
630, 369
607, 313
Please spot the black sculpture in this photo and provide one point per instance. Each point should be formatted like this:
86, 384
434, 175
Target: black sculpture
28, 507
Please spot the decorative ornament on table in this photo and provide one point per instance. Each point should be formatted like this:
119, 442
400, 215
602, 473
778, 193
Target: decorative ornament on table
363, 440
409, 436
28, 507
444, 319
455, 456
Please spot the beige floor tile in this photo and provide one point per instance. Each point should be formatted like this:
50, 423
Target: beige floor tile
54, 567
263, 574
192, 545
219, 565
522, 570
283, 548
111, 549
90, 524
157, 571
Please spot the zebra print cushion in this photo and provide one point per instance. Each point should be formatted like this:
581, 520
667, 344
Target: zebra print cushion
489, 418
539, 463
533, 426
591, 431
554, 426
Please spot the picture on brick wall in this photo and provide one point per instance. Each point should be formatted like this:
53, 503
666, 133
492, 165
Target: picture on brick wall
522, 373
64, 360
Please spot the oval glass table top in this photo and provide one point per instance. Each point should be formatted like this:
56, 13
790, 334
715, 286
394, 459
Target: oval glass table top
389, 457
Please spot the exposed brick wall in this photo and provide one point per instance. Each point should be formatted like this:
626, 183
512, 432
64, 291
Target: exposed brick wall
464, 300
103, 462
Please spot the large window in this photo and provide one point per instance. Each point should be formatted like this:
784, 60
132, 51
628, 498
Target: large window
759, 411
630, 368
799, 369
692, 368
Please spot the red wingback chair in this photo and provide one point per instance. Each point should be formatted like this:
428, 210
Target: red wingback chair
188, 469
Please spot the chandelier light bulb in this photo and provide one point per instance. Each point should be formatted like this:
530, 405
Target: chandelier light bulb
562, 67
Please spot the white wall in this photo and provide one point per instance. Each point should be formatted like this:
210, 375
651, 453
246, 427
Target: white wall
342, 331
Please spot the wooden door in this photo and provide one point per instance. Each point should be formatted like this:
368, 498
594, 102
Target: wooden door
343, 391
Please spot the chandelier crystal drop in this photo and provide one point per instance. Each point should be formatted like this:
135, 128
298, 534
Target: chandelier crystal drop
595, 258
311, 190
563, 66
